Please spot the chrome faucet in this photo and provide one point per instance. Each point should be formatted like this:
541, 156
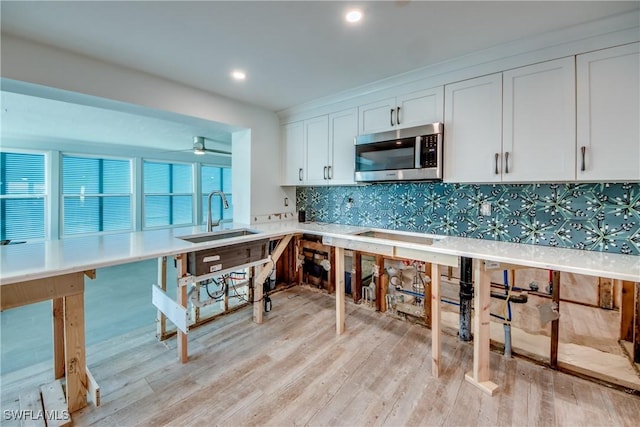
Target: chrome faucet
210, 223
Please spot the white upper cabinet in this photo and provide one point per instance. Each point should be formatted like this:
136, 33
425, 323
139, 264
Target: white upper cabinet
412, 109
473, 130
538, 122
608, 115
293, 170
343, 128
320, 151
316, 132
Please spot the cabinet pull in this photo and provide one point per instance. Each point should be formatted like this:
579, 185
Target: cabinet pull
391, 116
506, 162
325, 172
583, 150
330, 172
398, 115
300, 174
497, 172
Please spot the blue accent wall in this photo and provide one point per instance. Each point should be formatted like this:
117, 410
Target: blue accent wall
597, 217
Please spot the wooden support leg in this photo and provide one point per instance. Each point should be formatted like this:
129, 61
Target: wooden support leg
161, 319
356, 278
340, 297
379, 297
258, 293
555, 324
436, 340
183, 352
636, 328
481, 331
428, 269
74, 350
627, 311
605, 296
332, 272
57, 306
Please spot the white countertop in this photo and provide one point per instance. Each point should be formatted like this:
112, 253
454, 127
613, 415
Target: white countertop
30, 261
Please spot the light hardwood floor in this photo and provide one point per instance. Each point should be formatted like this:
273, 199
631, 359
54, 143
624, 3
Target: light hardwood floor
294, 370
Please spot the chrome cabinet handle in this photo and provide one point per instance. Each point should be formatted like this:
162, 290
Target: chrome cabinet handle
497, 172
300, 174
330, 172
391, 116
325, 172
583, 150
397, 115
506, 162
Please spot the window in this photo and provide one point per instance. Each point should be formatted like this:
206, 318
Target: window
22, 196
168, 194
216, 178
96, 195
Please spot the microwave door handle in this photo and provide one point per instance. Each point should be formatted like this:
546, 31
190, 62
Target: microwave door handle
417, 152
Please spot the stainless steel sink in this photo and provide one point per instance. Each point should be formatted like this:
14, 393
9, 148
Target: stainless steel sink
218, 235
397, 237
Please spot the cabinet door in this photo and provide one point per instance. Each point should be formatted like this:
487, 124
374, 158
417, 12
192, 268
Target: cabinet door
343, 127
473, 130
377, 116
293, 141
608, 123
539, 110
316, 132
418, 108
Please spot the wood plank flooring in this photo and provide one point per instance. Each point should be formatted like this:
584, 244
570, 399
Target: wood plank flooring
294, 370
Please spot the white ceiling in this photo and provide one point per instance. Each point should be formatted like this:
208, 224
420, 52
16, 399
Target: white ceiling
293, 52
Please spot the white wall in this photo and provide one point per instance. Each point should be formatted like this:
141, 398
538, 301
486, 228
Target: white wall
260, 194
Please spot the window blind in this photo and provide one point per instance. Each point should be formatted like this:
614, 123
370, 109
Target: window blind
168, 194
96, 195
22, 196
216, 178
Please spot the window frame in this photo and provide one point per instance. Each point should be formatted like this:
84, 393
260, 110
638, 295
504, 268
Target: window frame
203, 195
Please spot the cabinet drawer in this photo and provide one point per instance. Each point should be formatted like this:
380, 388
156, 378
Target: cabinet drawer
211, 260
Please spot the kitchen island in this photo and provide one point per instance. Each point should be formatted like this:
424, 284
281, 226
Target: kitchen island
44, 263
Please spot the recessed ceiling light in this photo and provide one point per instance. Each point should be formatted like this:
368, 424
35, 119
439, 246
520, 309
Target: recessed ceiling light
353, 16
238, 75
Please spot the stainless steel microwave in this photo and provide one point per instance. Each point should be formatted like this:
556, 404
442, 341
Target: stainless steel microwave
410, 154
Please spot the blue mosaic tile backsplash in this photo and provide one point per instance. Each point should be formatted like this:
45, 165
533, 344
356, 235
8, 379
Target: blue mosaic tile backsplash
597, 217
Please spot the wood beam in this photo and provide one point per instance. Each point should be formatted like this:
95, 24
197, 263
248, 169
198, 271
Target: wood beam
57, 307
636, 327
74, 351
627, 311
555, 324
436, 340
32, 291
181, 264
356, 277
340, 297
605, 295
161, 319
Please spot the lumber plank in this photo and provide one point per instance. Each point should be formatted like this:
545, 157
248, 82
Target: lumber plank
93, 388
30, 409
258, 292
32, 291
161, 319
183, 351
480, 376
74, 350
55, 406
436, 338
57, 307
605, 287
340, 296
555, 324
636, 325
627, 311
356, 277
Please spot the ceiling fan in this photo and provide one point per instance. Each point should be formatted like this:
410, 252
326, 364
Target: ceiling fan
199, 147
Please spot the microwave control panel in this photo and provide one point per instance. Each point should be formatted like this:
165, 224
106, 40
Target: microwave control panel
430, 151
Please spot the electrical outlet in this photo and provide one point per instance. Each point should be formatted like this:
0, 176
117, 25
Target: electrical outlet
485, 209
